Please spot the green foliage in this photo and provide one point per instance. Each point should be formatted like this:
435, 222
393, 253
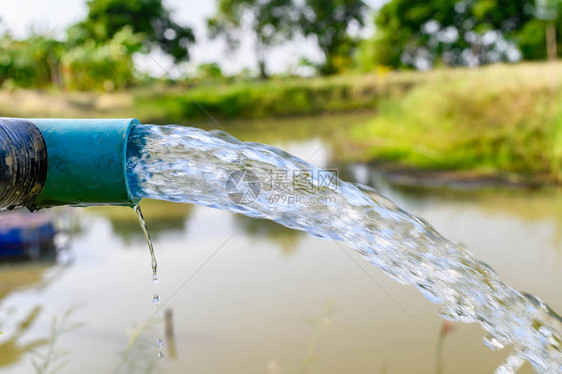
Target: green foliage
329, 21
364, 57
270, 22
149, 18
532, 40
98, 51
33, 62
454, 33
42, 62
209, 72
532, 37
101, 66
547, 10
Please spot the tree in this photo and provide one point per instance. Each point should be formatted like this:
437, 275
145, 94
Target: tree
148, 18
329, 21
547, 10
422, 33
270, 22
33, 62
103, 66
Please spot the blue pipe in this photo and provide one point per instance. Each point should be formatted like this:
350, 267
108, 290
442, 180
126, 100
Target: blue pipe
86, 161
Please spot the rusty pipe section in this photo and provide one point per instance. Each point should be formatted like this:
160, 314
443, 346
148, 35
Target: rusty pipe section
23, 163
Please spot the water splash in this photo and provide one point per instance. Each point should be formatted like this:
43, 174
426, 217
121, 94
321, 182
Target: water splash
142, 223
214, 169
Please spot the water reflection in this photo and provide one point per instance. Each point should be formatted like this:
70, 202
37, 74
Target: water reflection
18, 277
13, 349
286, 239
301, 130
29, 249
162, 218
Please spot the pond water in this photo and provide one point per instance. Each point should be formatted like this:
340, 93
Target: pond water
271, 300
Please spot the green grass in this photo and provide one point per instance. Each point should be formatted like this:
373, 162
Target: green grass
497, 119
276, 98
490, 120
180, 104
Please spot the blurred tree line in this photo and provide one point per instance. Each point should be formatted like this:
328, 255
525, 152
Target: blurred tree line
272, 22
427, 33
97, 52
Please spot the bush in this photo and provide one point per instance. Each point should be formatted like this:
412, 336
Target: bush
101, 66
33, 62
499, 118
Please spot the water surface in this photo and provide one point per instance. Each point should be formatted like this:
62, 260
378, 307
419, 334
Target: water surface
273, 300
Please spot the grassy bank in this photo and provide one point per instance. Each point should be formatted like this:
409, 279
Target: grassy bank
501, 119
181, 104
276, 98
497, 119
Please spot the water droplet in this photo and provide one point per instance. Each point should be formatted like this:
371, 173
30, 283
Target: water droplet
159, 342
492, 343
161, 355
155, 299
155, 278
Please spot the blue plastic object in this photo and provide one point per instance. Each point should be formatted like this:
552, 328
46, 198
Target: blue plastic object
20, 237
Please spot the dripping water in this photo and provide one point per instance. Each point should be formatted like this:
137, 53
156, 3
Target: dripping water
144, 229
155, 297
160, 345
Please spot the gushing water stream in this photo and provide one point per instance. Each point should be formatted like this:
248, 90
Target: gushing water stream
214, 169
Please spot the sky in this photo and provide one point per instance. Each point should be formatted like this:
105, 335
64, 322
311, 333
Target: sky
20, 17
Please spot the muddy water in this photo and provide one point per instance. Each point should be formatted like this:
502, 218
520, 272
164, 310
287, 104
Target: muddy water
271, 300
